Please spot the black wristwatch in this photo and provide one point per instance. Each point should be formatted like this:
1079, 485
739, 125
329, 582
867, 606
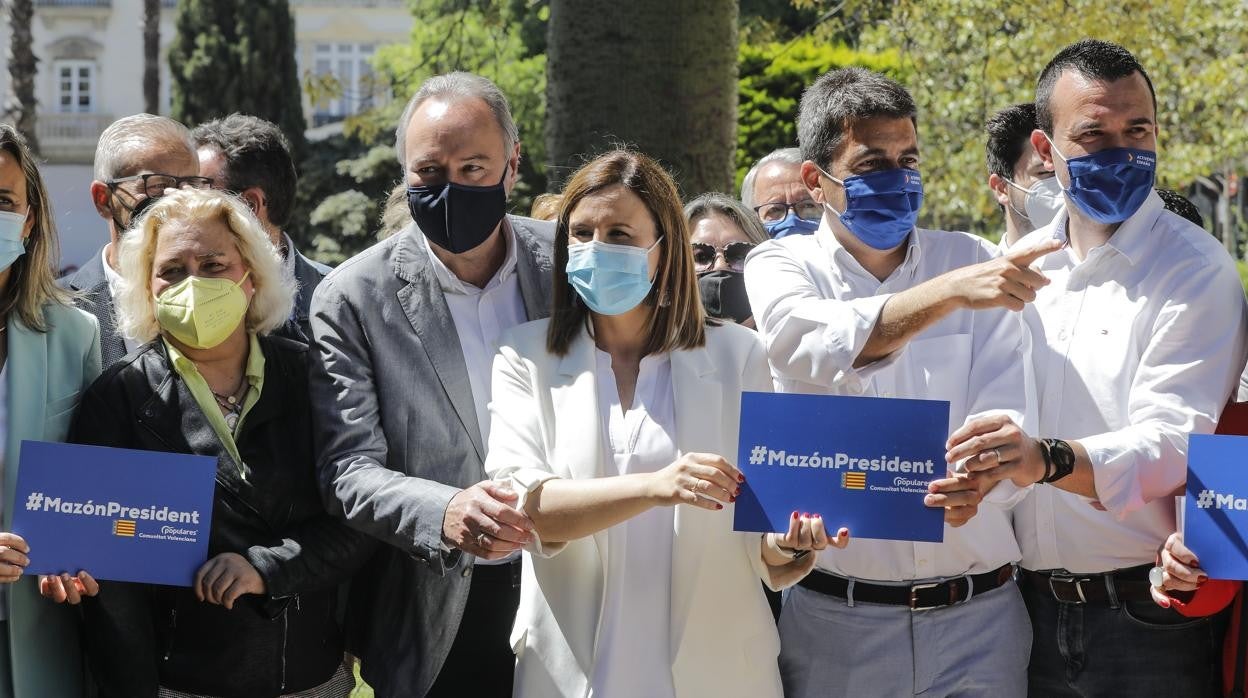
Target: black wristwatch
1059, 459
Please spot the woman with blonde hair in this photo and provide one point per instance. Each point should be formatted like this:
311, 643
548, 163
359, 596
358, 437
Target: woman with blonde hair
203, 287
49, 354
612, 421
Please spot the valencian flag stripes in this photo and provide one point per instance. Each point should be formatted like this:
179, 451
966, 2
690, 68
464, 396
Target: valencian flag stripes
121, 527
854, 481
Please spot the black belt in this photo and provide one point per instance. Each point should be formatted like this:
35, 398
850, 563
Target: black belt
1128, 584
506, 573
916, 597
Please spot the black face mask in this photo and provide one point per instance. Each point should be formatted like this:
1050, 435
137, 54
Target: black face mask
723, 295
457, 217
135, 213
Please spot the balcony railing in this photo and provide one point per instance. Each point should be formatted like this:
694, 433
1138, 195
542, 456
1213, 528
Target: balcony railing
70, 137
73, 3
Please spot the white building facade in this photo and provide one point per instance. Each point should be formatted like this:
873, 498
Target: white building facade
90, 73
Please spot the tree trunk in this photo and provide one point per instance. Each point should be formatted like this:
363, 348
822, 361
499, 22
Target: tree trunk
151, 56
654, 74
20, 110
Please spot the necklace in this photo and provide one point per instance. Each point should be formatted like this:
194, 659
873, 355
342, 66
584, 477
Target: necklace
231, 404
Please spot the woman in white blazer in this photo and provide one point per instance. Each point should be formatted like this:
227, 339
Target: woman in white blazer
603, 419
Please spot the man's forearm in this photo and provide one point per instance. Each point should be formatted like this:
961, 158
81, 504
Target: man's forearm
905, 315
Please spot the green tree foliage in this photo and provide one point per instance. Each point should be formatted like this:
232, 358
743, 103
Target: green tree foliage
351, 175
773, 76
969, 58
236, 56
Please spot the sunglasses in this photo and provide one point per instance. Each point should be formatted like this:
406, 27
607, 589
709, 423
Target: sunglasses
734, 254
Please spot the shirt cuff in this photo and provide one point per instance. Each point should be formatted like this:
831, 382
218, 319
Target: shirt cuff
1115, 475
525, 481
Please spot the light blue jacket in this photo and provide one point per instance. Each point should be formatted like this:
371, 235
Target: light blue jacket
47, 372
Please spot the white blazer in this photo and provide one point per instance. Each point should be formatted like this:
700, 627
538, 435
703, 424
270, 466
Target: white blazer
545, 423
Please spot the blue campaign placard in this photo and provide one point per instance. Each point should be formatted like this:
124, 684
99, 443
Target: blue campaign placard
122, 515
860, 462
1215, 512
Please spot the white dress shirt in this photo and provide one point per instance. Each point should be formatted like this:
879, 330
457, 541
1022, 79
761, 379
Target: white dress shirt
815, 306
634, 656
1136, 347
114, 279
481, 316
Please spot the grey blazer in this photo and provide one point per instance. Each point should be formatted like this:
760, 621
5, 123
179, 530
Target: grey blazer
90, 287
397, 437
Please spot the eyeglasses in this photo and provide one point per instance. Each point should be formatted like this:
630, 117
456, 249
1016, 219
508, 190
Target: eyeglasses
154, 184
771, 213
734, 254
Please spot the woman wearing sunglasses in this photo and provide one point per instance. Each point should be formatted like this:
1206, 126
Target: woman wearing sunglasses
722, 233
615, 421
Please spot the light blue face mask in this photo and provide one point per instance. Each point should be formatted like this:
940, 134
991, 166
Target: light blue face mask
12, 225
611, 279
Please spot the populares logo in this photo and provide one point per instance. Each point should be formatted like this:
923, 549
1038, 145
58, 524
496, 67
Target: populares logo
1209, 499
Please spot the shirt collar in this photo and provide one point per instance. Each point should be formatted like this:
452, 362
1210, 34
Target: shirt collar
838, 254
453, 284
1132, 238
110, 274
254, 369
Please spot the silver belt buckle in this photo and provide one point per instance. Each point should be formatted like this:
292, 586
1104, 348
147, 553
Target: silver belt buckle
914, 595
1068, 579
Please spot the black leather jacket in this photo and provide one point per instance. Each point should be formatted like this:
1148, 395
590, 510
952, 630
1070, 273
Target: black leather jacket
142, 636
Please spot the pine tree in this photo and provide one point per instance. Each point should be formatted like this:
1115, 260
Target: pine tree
20, 109
151, 56
237, 56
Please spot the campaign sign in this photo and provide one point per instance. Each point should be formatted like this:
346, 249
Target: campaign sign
861, 462
1215, 513
123, 515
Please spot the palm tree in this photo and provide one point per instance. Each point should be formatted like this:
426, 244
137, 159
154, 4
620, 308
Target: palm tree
656, 74
20, 109
151, 56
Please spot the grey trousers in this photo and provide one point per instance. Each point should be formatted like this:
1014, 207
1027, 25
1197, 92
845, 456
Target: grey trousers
968, 650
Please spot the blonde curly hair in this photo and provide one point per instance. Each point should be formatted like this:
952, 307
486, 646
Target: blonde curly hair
275, 288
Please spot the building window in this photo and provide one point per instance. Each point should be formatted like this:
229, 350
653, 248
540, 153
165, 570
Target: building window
347, 67
75, 86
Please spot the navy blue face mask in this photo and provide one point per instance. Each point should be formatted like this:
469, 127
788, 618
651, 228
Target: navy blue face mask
792, 224
881, 207
1110, 185
457, 217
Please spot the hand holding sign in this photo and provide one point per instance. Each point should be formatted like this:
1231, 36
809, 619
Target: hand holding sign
1180, 570
67, 589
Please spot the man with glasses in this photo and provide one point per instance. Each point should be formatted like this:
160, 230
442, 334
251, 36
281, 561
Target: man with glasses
137, 160
774, 190
251, 157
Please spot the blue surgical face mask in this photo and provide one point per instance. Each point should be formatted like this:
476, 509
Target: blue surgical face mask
791, 224
611, 279
12, 225
881, 207
1110, 185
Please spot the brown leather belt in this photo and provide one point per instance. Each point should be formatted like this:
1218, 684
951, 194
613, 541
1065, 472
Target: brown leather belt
916, 597
1129, 584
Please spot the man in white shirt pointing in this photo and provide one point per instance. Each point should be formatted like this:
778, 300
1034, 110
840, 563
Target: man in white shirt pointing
871, 305
1139, 340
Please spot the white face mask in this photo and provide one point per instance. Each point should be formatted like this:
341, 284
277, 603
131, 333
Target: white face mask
1043, 201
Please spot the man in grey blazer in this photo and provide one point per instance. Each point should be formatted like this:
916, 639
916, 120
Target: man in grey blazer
136, 157
405, 334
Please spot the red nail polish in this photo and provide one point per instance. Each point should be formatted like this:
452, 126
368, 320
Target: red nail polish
718, 506
740, 477
805, 515
795, 514
732, 498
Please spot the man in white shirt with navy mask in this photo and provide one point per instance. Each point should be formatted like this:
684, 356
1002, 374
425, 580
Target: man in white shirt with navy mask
871, 305
1138, 342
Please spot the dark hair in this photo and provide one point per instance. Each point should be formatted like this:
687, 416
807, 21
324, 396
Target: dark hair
256, 154
1008, 132
838, 97
1181, 205
1093, 59
678, 321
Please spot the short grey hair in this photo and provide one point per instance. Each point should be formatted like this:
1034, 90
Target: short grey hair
839, 97
730, 208
128, 136
790, 156
274, 298
458, 85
